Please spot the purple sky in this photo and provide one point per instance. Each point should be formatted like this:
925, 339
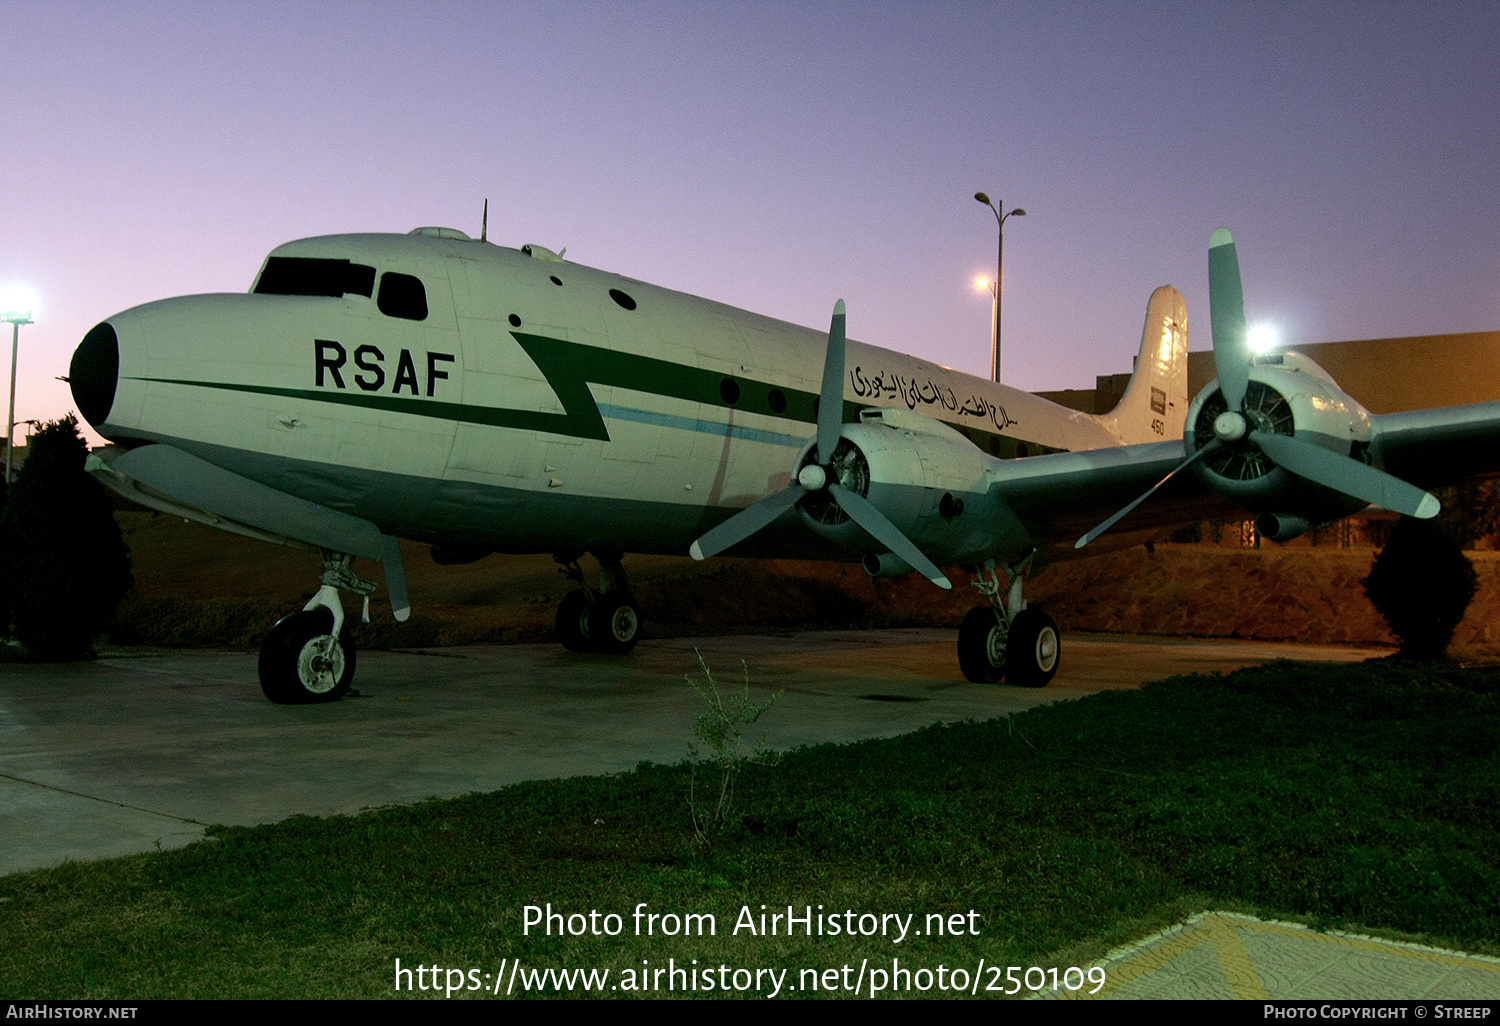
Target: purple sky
776, 157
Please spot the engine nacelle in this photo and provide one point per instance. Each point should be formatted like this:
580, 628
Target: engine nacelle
1288, 394
926, 478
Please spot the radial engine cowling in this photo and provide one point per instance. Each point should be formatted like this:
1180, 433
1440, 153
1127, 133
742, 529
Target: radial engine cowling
1290, 395
925, 477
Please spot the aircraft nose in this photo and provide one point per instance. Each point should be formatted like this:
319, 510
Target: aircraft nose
94, 373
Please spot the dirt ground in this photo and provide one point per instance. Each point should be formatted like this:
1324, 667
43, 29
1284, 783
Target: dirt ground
197, 585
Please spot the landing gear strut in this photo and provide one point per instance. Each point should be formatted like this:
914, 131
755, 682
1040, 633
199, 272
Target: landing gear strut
1006, 638
606, 620
309, 656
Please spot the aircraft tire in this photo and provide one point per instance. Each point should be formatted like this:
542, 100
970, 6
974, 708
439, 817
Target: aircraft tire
615, 623
981, 646
573, 626
293, 667
1033, 650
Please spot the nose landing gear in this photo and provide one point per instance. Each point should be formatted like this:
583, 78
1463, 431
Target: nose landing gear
303, 661
309, 656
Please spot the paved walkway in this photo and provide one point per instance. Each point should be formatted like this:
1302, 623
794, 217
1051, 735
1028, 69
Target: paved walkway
1221, 955
139, 749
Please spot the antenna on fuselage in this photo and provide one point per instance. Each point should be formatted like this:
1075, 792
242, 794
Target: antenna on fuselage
484, 223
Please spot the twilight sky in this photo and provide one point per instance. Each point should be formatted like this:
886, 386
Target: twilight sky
776, 156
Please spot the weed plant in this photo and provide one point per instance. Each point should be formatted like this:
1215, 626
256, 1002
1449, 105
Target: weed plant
1357, 797
722, 729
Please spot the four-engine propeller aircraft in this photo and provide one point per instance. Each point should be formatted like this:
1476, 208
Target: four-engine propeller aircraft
483, 399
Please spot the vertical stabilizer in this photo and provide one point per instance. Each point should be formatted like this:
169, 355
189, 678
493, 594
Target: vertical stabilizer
1155, 403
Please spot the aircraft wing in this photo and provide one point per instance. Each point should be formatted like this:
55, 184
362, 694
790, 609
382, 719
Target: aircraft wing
1440, 446
1059, 497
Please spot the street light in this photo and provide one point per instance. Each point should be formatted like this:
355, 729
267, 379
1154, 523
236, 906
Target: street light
994, 286
16, 319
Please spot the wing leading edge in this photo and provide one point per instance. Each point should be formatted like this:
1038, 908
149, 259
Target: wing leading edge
1058, 497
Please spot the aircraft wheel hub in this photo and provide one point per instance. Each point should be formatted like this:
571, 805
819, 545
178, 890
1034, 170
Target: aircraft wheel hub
320, 664
624, 623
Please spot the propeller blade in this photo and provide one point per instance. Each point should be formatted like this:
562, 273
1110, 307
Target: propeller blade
746, 522
1212, 446
830, 427
1344, 474
1226, 305
874, 522
831, 397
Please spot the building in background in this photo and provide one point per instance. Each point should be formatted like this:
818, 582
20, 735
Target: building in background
1387, 375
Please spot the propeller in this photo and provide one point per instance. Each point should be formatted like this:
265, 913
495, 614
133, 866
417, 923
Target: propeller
1240, 426
821, 474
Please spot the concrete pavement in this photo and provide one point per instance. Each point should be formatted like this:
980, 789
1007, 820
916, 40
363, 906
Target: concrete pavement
142, 748
1225, 956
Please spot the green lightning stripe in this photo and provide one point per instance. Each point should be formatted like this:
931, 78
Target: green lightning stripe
569, 368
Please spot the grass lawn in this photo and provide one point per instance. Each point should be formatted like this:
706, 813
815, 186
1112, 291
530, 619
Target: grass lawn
1352, 796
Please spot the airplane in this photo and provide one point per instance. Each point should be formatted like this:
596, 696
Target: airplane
479, 399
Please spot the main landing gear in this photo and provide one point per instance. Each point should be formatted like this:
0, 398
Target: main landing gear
606, 619
1005, 638
309, 656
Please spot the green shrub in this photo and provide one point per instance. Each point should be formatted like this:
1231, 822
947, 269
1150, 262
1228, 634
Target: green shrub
1421, 583
67, 565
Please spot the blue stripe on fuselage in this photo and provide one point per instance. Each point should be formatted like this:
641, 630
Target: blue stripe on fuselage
707, 427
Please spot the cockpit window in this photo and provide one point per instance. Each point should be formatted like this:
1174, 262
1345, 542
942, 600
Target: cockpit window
315, 276
402, 295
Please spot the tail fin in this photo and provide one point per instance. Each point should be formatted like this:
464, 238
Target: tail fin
1155, 403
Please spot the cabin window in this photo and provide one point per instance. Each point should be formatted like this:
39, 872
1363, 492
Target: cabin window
776, 399
314, 276
622, 298
729, 391
402, 295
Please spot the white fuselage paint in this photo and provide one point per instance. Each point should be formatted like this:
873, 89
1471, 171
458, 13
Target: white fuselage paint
240, 374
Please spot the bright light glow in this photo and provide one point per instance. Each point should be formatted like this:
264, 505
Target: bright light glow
17, 302
1261, 338
982, 283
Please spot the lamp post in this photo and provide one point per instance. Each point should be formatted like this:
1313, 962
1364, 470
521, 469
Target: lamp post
16, 319
1000, 220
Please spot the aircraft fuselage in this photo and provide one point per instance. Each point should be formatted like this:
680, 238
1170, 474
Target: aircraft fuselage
457, 392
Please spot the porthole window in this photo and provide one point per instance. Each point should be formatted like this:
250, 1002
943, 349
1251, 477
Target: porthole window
622, 298
729, 391
776, 400
555, 279
1022, 449
994, 446
515, 322
402, 295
